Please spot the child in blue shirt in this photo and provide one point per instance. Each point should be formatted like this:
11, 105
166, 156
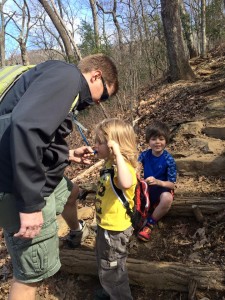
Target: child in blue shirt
160, 173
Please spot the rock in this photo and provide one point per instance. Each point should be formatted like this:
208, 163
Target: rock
180, 154
63, 227
206, 165
218, 106
215, 132
85, 213
198, 142
192, 128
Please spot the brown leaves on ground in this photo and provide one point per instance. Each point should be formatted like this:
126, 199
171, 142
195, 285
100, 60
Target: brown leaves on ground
174, 239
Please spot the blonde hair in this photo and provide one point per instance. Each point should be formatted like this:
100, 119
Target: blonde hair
105, 64
122, 133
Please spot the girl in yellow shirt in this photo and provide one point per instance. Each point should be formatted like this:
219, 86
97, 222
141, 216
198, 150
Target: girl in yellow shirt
115, 142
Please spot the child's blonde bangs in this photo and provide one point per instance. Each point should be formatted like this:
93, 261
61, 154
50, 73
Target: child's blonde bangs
123, 134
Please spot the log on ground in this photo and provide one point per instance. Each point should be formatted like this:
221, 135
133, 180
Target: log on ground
183, 206
153, 275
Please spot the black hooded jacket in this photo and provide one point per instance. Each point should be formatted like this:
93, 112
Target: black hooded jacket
33, 150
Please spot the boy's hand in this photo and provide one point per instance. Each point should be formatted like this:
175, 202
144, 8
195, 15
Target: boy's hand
81, 155
114, 147
152, 181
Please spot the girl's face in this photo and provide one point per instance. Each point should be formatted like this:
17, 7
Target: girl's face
102, 149
157, 144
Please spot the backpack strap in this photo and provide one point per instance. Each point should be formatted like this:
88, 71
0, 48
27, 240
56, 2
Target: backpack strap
74, 103
119, 193
9, 76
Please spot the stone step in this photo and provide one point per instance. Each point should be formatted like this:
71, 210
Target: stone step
205, 165
215, 132
216, 109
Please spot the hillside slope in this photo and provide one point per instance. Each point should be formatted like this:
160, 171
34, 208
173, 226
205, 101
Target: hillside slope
195, 112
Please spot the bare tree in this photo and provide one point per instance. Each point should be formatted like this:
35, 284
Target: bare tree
179, 66
203, 27
2, 33
113, 13
23, 25
24, 33
46, 37
60, 8
187, 30
70, 20
95, 22
68, 41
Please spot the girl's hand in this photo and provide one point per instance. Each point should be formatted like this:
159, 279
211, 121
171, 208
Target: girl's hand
114, 147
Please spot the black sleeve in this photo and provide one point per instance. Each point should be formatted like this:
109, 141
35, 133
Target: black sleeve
36, 117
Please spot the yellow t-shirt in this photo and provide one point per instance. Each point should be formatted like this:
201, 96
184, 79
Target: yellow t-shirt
110, 212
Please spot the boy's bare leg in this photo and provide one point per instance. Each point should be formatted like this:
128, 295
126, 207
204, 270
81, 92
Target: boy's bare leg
70, 209
22, 291
162, 209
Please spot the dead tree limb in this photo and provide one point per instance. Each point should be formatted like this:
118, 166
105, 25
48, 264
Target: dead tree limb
154, 275
182, 205
99, 164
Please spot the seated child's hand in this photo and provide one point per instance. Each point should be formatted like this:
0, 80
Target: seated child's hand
151, 180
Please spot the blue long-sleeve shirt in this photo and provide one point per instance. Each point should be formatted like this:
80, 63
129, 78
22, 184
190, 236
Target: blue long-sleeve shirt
161, 167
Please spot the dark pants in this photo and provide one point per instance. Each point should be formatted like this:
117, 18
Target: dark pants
111, 252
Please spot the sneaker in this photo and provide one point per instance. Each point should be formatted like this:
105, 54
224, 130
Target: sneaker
145, 233
74, 239
101, 294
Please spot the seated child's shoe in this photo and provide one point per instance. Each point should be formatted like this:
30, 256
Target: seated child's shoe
145, 233
75, 238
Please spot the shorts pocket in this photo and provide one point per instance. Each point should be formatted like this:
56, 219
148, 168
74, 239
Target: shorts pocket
33, 259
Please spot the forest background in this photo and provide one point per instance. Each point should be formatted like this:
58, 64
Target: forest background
151, 43
148, 39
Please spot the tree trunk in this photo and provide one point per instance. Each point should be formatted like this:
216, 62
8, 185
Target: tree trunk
179, 66
116, 23
23, 50
2, 35
153, 275
95, 22
187, 30
203, 27
61, 30
113, 13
